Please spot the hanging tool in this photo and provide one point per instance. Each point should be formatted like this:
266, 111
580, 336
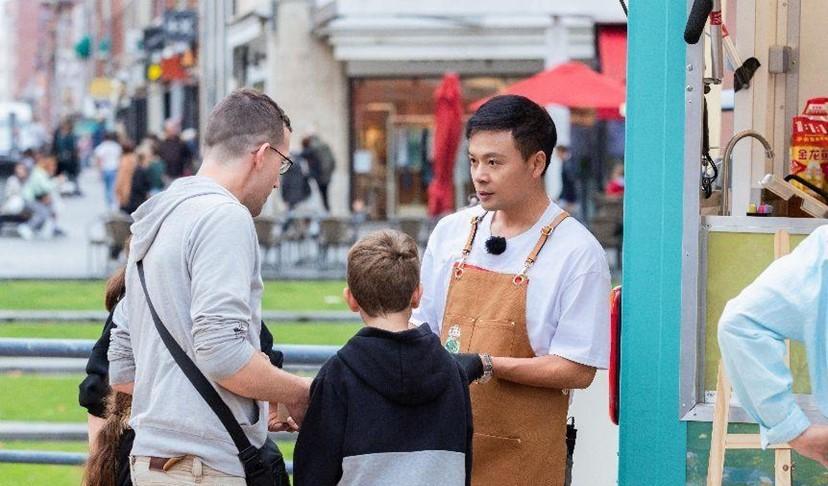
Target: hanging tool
743, 71
719, 37
709, 171
716, 54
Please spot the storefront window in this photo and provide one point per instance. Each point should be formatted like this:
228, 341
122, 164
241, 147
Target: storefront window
392, 123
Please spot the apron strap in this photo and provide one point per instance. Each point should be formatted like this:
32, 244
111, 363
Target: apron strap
545, 232
475, 222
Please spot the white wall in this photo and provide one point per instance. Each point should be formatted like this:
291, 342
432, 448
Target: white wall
596, 449
311, 86
7, 35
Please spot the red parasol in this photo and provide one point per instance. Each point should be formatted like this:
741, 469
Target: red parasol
571, 84
448, 126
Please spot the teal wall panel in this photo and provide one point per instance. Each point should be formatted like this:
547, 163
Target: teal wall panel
652, 439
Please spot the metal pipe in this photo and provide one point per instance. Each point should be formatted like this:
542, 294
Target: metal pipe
61, 458
65, 316
295, 354
728, 154
66, 432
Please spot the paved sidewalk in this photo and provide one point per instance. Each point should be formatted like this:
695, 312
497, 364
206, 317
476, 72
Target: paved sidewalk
67, 256
71, 256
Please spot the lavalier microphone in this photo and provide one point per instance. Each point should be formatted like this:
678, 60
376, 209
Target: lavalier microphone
496, 245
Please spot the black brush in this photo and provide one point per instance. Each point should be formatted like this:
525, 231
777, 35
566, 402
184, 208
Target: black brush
744, 73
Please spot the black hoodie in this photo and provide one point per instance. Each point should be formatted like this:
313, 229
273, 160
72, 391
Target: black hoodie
389, 408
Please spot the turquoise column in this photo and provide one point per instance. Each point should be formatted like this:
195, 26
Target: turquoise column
652, 439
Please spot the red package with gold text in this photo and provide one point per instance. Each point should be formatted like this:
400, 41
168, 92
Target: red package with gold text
809, 144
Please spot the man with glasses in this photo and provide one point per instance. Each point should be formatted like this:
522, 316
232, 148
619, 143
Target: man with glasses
198, 247
287, 162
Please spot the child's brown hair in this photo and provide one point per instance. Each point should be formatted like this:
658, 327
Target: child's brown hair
383, 272
103, 466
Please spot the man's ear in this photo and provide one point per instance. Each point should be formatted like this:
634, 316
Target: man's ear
259, 156
418, 294
350, 301
538, 162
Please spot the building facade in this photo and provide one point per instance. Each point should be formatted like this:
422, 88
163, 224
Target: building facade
361, 74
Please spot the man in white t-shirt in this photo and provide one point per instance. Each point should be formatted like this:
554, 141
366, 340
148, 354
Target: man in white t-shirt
525, 287
108, 158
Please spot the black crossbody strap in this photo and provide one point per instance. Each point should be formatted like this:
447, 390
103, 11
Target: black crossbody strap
199, 381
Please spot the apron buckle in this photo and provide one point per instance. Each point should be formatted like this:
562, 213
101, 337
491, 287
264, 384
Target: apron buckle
519, 279
458, 272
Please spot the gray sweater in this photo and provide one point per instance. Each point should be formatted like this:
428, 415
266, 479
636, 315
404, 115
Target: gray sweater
201, 260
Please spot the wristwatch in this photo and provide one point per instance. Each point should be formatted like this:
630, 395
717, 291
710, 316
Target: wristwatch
487, 368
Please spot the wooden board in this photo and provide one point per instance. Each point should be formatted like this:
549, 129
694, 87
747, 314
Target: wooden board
734, 261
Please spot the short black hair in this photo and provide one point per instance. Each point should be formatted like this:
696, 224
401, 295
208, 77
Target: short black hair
530, 124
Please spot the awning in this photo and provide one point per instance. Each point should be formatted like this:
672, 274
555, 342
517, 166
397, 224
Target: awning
571, 84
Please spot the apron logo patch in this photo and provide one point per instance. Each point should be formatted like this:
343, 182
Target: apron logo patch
453, 341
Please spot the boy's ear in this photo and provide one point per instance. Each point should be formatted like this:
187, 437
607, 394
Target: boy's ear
350, 301
418, 294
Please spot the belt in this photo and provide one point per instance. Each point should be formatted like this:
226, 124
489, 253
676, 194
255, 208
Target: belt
164, 463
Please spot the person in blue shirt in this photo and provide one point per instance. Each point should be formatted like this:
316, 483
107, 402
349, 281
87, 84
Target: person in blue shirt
788, 300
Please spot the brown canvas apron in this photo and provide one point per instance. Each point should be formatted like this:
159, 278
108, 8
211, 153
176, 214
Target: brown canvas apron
519, 430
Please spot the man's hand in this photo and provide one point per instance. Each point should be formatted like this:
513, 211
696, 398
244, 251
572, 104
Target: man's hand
296, 410
279, 420
813, 444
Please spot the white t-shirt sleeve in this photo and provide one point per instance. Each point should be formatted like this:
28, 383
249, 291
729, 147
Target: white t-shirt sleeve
427, 311
583, 328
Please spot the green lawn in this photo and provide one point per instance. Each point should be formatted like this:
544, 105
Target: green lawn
40, 398
88, 295
46, 398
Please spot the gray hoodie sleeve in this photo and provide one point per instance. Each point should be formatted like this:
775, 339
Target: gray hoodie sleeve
222, 258
121, 359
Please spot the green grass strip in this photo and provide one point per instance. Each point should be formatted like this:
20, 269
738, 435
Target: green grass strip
88, 295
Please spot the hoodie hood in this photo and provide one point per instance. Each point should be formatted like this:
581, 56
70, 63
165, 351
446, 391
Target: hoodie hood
409, 367
149, 217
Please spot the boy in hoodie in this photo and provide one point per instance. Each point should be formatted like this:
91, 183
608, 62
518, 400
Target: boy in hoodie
392, 407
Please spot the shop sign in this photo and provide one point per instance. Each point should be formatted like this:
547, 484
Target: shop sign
180, 26
153, 39
101, 88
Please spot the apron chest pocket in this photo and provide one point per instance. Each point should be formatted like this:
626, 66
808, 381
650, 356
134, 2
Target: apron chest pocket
493, 336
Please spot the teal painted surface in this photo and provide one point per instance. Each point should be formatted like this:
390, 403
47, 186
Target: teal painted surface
653, 440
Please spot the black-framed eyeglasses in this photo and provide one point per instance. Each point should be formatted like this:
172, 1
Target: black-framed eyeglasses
287, 162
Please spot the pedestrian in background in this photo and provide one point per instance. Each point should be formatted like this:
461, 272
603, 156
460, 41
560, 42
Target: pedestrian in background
65, 150
321, 164
175, 152
108, 158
